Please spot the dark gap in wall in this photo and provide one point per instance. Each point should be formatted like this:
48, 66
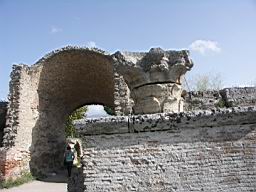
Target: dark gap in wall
154, 83
3, 110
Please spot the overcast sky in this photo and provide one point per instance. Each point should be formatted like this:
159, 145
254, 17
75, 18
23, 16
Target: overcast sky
221, 35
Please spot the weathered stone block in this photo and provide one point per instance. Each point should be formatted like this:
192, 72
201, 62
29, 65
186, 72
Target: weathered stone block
153, 78
239, 96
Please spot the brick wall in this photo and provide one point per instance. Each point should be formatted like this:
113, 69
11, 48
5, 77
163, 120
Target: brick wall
206, 151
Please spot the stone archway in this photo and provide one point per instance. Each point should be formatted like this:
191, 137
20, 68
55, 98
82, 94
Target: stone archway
43, 95
68, 79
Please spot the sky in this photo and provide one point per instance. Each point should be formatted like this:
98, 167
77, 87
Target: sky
220, 34
95, 111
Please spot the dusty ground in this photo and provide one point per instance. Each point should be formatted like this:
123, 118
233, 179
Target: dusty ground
54, 183
39, 186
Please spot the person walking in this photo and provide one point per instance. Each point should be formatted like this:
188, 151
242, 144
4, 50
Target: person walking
69, 157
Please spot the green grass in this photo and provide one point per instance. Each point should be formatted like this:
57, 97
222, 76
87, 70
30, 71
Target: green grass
24, 178
223, 104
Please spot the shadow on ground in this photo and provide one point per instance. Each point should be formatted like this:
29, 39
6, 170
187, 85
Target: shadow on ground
56, 177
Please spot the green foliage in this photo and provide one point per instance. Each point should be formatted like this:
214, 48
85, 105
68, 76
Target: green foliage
109, 110
24, 178
77, 114
221, 104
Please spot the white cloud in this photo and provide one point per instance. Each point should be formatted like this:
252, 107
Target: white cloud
91, 44
96, 111
55, 29
203, 46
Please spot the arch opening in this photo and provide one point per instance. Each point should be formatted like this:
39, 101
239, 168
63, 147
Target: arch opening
85, 112
68, 79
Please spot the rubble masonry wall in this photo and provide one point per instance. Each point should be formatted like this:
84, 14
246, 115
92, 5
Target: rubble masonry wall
194, 151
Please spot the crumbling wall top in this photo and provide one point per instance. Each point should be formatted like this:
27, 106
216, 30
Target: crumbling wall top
167, 121
68, 49
155, 66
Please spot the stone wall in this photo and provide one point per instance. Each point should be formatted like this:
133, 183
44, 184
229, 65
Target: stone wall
239, 96
13, 162
3, 111
123, 101
195, 151
2, 163
228, 97
12, 120
198, 100
20, 118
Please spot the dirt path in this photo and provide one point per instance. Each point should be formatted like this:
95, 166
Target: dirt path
39, 186
54, 183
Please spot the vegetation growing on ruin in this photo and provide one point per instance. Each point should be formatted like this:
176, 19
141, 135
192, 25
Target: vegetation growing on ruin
24, 178
77, 114
221, 104
109, 111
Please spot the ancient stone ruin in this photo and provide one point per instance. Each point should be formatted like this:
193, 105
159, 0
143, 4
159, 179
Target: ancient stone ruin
151, 145
154, 78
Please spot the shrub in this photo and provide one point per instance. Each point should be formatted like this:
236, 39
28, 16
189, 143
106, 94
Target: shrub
221, 104
77, 114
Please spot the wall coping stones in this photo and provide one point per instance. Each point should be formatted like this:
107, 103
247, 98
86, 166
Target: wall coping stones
166, 121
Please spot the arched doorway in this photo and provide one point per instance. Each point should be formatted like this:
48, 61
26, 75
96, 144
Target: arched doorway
68, 79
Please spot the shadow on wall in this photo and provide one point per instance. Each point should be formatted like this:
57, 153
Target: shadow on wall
3, 111
76, 181
2, 164
69, 78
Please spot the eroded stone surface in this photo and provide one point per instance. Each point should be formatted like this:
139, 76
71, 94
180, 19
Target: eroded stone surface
198, 100
43, 95
166, 121
211, 150
140, 68
239, 96
227, 97
154, 78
